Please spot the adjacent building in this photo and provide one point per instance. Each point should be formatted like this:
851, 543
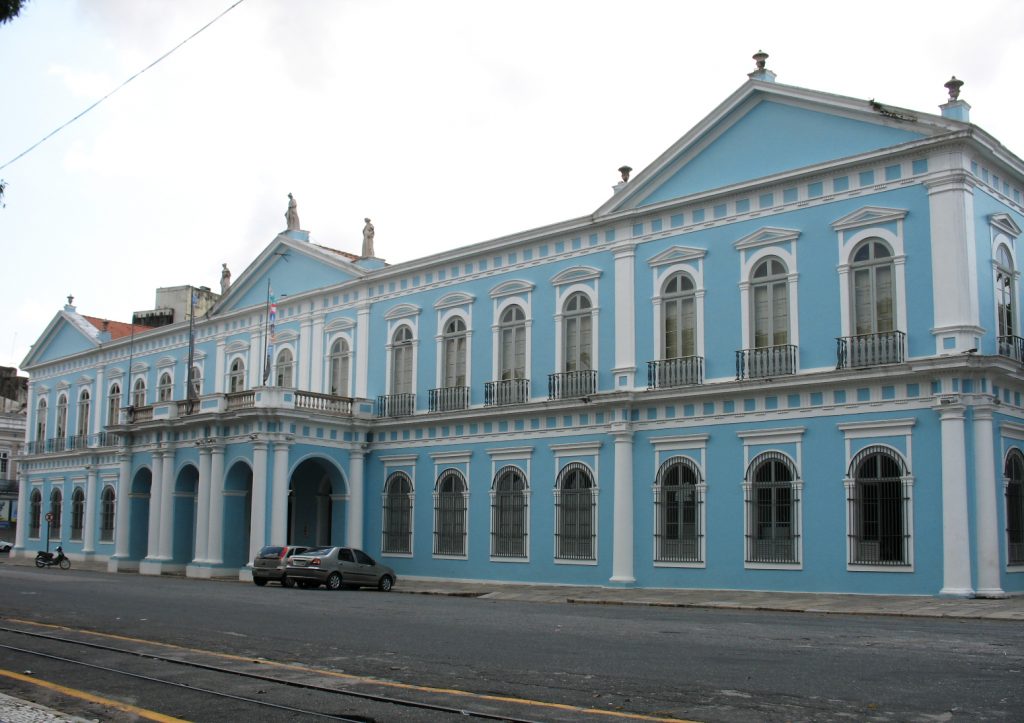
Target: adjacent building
784, 356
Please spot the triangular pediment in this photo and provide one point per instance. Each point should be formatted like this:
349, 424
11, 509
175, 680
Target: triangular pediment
287, 267
677, 255
66, 334
1005, 223
767, 236
767, 131
869, 216
575, 275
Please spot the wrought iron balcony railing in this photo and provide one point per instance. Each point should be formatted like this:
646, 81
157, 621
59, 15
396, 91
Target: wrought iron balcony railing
69, 444
1011, 346
679, 372
569, 385
396, 405
448, 399
506, 391
870, 350
766, 362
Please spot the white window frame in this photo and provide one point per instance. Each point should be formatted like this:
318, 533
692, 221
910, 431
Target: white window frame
525, 557
344, 358
165, 391
789, 443
438, 512
661, 300
662, 457
114, 412
291, 365
83, 413
384, 514
232, 374
443, 339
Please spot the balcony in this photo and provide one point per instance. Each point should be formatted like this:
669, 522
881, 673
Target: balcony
766, 362
449, 399
506, 391
69, 444
678, 372
323, 403
1011, 346
870, 350
572, 385
396, 405
241, 400
140, 414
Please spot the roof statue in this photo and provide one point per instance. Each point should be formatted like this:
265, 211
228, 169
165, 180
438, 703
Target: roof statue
368, 232
225, 279
292, 214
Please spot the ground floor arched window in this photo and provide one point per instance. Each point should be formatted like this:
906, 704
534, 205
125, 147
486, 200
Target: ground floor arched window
772, 501
678, 499
450, 514
397, 527
107, 507
878, 505
35, 513
575, 513
56, 510
508, 513
1014, 474
77, 514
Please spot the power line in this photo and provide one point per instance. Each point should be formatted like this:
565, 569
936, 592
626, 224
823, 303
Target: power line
169, 52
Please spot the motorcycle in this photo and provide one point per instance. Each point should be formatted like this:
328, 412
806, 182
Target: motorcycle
49, 559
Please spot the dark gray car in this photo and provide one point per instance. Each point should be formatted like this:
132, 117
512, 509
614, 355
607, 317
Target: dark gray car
337, 567
270, 564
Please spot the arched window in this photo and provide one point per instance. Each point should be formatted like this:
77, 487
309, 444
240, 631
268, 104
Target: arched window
678, 502
284, 368
578, 333
679, 317
139, 393
236, 376
35, 513
77, 513
401, 361
114, 405
107, 507
450, 514
164, 388
772, 503
197, 382
82, 423
62, 416
1005, 293
397, 527
339, 362
508, 513
871, 273
512, 343
769, 294
575, 512
1014, 474
454, 353
41, 420
879, 507
56, 508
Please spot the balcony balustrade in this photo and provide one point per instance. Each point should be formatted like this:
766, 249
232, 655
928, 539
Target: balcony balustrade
571, 385
323, 403
506, 391
241, 400
448, 399
396, 405
1011, 346
766, 362
70, 444
870, 350
678, 372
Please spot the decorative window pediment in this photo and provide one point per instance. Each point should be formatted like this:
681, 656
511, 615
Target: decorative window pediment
116, 373
339, 325
402, 311
285, 336
677, 255
140, 368
61, 385
457, 298
575, 275
869, 216
511, 288
166, 362
767, 236
84, 380
237, 346
1005, 223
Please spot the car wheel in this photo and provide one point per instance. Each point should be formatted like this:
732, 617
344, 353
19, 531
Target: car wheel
334, 581
287, 582
260, 582
385, 584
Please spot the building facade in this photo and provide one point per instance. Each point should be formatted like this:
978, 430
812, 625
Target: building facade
13, 395
784, 356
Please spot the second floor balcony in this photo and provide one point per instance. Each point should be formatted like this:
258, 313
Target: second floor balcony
1011, 346
870, 350
766, 362
396, 405
448, 399
572, 385
679, 372
506, 391
72, 443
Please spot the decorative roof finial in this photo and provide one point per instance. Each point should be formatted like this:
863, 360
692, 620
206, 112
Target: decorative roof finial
760, 72
953, 86
759, 57
71, 299
625, 171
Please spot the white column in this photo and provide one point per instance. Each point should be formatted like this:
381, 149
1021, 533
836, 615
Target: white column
219, 382
203, 506
23, 492
155, 498
625, 315
258, 516
362, 351
89, 533
956, 552
279, 495
303, 358
215, 538
354, 510
316, 355
986, 488
257, 359
123, 511
167, 506
622, 531
99, 402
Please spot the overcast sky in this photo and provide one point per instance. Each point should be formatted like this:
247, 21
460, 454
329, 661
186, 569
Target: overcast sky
447, 123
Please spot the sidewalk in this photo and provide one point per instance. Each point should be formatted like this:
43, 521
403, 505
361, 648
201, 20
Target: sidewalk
1009, 608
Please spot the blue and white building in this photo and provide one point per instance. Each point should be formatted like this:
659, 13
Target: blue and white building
784, 356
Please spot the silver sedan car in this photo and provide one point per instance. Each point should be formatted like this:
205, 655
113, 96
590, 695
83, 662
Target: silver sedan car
337, 567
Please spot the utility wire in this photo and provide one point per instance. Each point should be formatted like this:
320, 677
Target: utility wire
169, 52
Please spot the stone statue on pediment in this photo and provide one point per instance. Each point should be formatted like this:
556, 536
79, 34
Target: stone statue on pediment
291, 216
368, 232
225, 279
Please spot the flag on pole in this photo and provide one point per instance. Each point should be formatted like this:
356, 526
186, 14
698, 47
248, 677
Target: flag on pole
191, 393
271, 319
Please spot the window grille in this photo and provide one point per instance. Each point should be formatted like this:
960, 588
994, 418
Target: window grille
77, 514
509, 513
772, 501
1015, 508
678, 503
56, 507
107, 515
35, 514
397, 528
450, 514
575, 508
878, 503
3, 464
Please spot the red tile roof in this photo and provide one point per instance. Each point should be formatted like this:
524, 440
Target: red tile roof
344, 254
117, 329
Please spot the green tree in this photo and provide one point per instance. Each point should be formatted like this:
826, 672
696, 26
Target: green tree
9, 9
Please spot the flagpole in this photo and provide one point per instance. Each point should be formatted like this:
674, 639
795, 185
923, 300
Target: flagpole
128, 387
266, 338
189, 394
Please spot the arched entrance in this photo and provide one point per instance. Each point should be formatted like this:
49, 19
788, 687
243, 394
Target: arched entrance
316, 512
138, 515
237, 514
184, 536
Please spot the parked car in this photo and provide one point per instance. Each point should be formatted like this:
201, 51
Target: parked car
270, 564
337, 567
5, 546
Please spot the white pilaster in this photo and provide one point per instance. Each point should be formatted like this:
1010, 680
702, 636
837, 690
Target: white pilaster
956, 552
167, 506
123, 510
99, 402
219, 382
986, 489
625, 315
150, 566
354, 510
304, 360
215, 538
257, 359
622, 532
203, 507
258, 518
89, 533
23, 493
279, 495
362, 350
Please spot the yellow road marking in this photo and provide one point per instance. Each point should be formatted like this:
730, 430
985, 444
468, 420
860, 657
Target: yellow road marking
369, 680
81, 694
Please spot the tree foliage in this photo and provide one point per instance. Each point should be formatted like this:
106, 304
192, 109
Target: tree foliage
9, 9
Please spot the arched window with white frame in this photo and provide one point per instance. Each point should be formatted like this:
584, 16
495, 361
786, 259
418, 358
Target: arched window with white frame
339, 363
679, 362
165, 387
575, 513
35, 514
1014, 483
107, 510
772, 497
284, 368
769, 296
397, 524
56, 512
236, 375
402, 354
878, 502
578, 333
454, 352
114, 405
139, 393
62, 416
197, 382
82, 421
1009, 344
509, 519
875, 338
77, 513
41, 420
450, 507
678, 503
512, 343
